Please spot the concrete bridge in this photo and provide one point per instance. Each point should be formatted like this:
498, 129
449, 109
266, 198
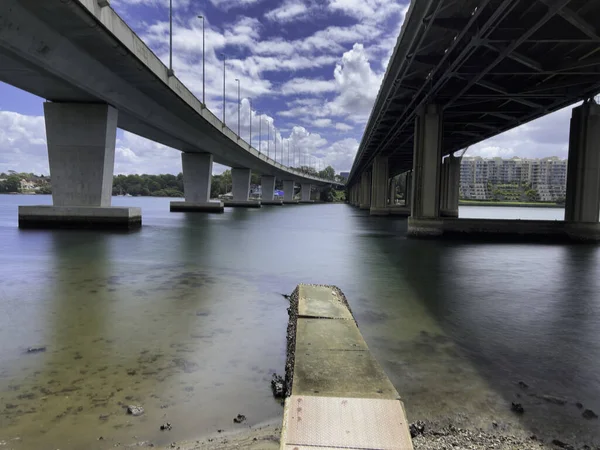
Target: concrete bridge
97, 75
466, 70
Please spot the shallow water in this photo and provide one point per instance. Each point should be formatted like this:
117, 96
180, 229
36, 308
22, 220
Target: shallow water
185, 318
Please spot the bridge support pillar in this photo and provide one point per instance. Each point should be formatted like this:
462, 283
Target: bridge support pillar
582, 205
197, 177
393, 190
365, 191
352, 195
450, 186
408, 188
268, 191
379, 187
288, 193
425, 202
81, 151
240, 180
306, 189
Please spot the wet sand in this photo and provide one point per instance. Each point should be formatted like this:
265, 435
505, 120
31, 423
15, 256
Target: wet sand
261, 437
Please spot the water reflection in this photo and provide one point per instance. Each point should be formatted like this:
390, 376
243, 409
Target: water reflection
185, 318
513, 312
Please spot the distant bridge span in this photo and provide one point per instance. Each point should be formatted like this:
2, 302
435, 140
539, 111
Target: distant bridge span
464, 71
491, 65
97, 74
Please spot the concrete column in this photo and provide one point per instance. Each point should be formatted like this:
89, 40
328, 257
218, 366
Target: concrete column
305, 193
268, 191
583, 172
393, 189
240, 179
365, 191
81, 151
288, 192
267, 187
408, 189
197, 178
379, 187
427, 161
450, 186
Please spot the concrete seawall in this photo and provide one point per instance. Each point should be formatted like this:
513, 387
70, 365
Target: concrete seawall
504, 230
338, 394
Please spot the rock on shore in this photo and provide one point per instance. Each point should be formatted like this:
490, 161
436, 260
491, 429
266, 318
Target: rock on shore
452, 437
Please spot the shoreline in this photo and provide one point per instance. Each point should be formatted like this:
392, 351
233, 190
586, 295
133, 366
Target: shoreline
263, 436
426, 435
511, 204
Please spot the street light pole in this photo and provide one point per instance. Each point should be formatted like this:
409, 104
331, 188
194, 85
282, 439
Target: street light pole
170, 72
259, 132
239, 103
203, 71
223, 55
268, 138
275, 142
250, 107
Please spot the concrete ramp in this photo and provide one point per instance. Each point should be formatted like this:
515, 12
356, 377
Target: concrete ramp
340, 397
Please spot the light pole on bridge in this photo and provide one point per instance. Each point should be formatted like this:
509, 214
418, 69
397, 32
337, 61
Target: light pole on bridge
203, 67
170, 72
239, 105
268, 138
224, 59
259, 131
250, 112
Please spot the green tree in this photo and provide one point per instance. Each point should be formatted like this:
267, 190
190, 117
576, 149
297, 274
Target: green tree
328, 173
12, 183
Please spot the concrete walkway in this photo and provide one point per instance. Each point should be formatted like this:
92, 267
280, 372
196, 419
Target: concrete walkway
340, 396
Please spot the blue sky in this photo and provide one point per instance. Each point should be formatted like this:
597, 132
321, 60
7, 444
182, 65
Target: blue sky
312, 68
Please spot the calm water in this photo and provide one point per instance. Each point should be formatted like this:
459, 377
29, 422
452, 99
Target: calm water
185, 318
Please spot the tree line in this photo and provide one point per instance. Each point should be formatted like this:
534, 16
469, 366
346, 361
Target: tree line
164, 185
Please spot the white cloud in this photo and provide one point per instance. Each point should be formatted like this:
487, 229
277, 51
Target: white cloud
23, 143
229, 4
366, 10
358, 85
547, 136
307, 86
343, 126
290, 10
135, 154
321, 123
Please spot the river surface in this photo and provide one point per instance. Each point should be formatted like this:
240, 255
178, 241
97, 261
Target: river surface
185, 317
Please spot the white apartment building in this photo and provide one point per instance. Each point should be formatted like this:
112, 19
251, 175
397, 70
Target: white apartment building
548, 176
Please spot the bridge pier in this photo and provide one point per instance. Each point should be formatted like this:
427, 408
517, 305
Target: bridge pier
450, 186
379, 187
435, 193
197, 177
268, 191
81, 151
353, 194
425, 202
582, 205
408, 189
240, 180
393, 190
305, 191
288, 193
365, 191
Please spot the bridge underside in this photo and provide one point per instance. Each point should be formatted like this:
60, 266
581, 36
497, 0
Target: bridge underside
490, 65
